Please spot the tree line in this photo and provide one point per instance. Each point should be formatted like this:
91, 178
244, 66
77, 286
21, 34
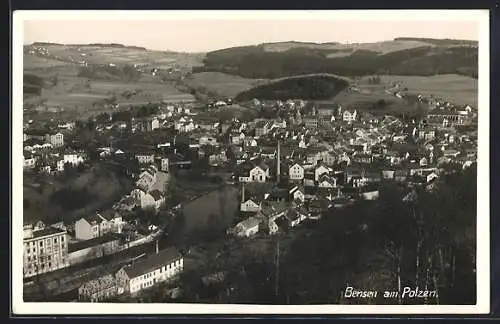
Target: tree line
255, 62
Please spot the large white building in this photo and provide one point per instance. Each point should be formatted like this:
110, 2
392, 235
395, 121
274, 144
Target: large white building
296, 172
57, 139
148, 272
45, 250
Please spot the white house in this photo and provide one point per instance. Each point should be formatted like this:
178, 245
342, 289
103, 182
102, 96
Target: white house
256, 174
249, 206
319, 171
349, 116
73, 158
297, 193
57, 139
247, 228
156, 268
327, 182
144, 158
296, 172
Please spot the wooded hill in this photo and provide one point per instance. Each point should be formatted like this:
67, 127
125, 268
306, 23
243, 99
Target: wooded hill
439, 57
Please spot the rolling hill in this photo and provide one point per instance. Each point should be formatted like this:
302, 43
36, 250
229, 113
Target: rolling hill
316, 87
402, 56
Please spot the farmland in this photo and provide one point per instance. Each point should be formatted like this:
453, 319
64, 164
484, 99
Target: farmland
458, 89
82, 97
223, 84
118, 54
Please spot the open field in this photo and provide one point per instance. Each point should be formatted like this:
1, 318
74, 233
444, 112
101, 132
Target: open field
83, 96
36, 62
222, 83
120, 55
458, 89
347, 49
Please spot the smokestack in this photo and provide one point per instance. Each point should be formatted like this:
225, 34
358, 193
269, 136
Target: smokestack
243, 192
278, 167
157, 249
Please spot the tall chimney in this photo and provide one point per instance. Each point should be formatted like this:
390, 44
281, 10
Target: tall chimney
278, 167
242, 192
157, 249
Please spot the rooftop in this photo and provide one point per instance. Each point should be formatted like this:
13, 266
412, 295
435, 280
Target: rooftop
153, 262
93, 242
46, 232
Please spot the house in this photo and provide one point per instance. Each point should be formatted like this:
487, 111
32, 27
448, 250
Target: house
164, 164
29, 161
349, 116
259, 173
320, 170
249, 205
147, 179
98, 290
146, 273
295, 217
73, 158
247, 227
56, 139
153, 199
311, 122
148, 124
145, 158
92, 226
326, 181
296, 172
297, 193
262, 128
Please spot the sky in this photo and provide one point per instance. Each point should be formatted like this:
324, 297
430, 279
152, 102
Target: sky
205, 32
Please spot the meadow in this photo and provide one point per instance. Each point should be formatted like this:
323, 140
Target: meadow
221, 83
461, 90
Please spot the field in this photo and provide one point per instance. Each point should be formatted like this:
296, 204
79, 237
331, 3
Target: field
120, 55
85, 97
35, 62
347, 49
458, 89
223, 84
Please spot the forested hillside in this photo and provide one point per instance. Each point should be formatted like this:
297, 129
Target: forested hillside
440, 57
320, 87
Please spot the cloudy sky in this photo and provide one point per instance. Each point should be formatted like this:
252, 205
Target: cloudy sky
198, 31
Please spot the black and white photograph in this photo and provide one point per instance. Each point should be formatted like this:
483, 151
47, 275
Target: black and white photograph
250, 162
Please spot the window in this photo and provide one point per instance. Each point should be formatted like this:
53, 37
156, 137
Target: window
50, 264
62, 238
55, 240
29, 259
41, 243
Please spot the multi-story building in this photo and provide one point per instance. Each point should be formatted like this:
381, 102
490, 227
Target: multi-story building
57, 139
45, 250
156, 268
296, 172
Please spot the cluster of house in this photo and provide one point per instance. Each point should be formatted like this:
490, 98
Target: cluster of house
132, 279
331, 166
45, 150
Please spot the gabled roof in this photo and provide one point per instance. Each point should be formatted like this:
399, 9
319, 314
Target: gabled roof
156, 194
152, 262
